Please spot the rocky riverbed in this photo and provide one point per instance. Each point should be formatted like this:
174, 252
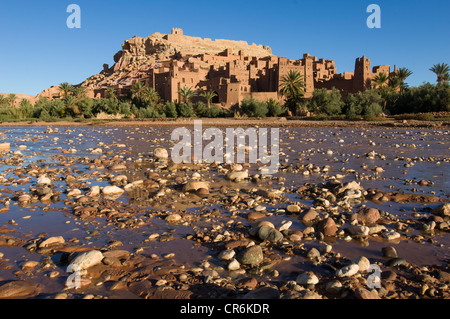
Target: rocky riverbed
351, 213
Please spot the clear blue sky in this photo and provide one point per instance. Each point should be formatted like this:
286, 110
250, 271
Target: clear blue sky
38, 50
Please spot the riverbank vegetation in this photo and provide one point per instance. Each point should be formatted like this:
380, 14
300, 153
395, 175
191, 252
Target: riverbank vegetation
387, 96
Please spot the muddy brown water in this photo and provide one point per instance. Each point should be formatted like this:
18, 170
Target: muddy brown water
427, 149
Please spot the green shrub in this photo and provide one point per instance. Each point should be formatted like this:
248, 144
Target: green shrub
254, 108
45, 116
7, 118
367, 103
25, 110
85, 106
274, 108
3, 101
55, 108
423, 99
186, 110
124, 108
149, 112
7, 113
329, 103
201, 110
170, 110
111, 106
216, 111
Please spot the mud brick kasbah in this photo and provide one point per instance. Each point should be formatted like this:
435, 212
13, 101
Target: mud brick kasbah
234, 70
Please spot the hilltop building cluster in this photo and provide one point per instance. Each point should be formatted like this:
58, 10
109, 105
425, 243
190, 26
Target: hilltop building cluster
234, 70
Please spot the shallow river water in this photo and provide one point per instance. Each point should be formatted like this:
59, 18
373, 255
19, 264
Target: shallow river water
406, 156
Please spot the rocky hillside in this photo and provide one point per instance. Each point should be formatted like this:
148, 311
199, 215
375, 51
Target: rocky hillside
138, 55
19, 97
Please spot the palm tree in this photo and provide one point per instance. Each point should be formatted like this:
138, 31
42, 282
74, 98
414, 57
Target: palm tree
71, 104
66, 89
394, 82
151, 95
385, 91
138, 91
442, 71
380, 79
293, 88
187, 94
402, 74
12, 99
208, 95
292, 85
446, 77
388, 92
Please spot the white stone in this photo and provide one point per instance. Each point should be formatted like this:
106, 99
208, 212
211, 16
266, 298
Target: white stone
161, 153
307, 278
260, 208
234, 265
237, 167
237, 176
358, 230
173, 218
352, 193
285, 225
348, 271
87, 260
194, 186
112, 190
362, 262
293, 208
94, 191
5, 146
309, 230
133, 185
227, 254
51, 241
391, 235
74, 192
44, 180
119, 178
352, 185
376, 229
